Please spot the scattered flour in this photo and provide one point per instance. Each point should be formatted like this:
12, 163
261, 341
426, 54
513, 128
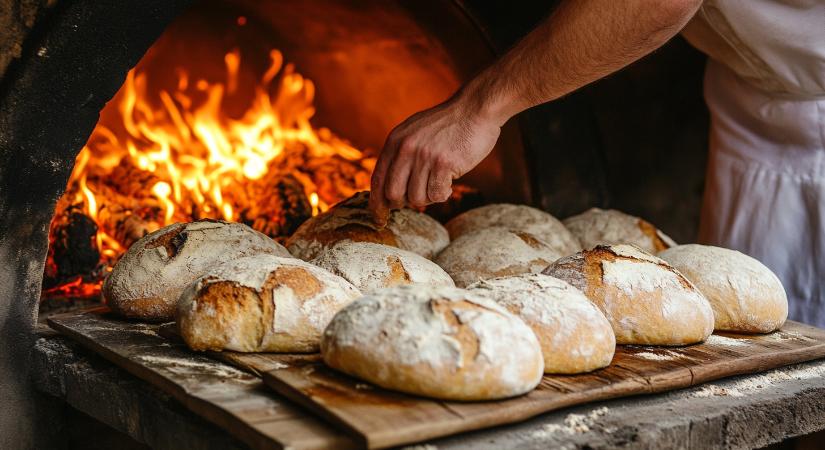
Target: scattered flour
182, 366
573, 424
715, 339
712, 390
664, 355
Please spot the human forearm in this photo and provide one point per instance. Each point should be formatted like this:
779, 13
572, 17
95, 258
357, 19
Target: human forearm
582, 41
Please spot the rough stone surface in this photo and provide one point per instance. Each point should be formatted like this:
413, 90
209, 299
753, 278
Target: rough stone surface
49, 104
17, 17
737, 413
89, 383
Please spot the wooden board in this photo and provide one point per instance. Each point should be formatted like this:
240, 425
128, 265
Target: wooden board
232, 399
379, 418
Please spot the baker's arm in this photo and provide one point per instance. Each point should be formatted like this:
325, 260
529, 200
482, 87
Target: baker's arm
582, 41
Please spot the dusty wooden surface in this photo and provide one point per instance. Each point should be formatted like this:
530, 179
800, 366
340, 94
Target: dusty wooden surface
230, 398
380, 418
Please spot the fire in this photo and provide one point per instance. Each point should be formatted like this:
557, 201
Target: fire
176, 155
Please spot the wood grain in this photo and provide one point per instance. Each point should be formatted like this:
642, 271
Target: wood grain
379, 418
230, 398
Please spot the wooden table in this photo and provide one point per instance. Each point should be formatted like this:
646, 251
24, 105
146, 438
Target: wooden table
718, 403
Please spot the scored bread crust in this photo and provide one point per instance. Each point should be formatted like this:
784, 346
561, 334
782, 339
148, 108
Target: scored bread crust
351, 220
370, 266
148, 279
745, 295
608, 227
575, 336
520, 218
440, 342
646, 300
261, 303
494, 252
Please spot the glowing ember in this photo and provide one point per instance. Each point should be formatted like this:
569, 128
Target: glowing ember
176, 155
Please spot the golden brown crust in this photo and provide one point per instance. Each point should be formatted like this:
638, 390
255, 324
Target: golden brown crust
261, 303
745, 295
494, 252
147, 281
150, 309
645, 299
608, 227
439, 342
351, 220
575, 336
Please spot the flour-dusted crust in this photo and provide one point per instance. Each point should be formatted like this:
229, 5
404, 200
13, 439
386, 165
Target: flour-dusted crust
744, 294
494, 252
440, 342
148, 279
519, 218
645, 299
371, 266
261, 303
607, 227
350, 220
575, 336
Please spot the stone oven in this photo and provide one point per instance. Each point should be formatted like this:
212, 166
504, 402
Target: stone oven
321, 80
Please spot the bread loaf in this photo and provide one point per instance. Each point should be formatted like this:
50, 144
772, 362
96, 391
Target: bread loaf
371, 266
350, 220
518, 218
147, 281
575, 336
261, 303
607, 227
494, 252
744, 294
645, 299
440, 342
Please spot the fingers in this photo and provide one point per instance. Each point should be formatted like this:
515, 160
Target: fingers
417, 185
378, 204
398, 175
439, 184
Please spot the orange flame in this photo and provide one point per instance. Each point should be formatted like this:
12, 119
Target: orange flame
176, 155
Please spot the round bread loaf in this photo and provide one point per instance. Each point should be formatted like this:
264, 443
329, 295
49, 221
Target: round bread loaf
494, 252
350, 220
575, 336
519, 218
147, 281
744, 294
607, 227
645, 299
261, 303
371, 266
436, 341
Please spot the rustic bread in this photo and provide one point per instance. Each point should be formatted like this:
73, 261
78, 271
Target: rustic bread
744, 294
519, 218
350, 220
607, 227
261, 303
370, 266
645, 299
575, 336
435, 341
494, 252
148, 279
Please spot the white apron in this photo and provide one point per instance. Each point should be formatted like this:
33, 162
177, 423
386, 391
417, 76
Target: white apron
765, 189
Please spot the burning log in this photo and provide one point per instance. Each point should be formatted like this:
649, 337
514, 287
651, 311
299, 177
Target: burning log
281, 207
74, 246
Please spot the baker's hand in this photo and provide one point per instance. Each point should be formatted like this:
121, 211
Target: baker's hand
425, 153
